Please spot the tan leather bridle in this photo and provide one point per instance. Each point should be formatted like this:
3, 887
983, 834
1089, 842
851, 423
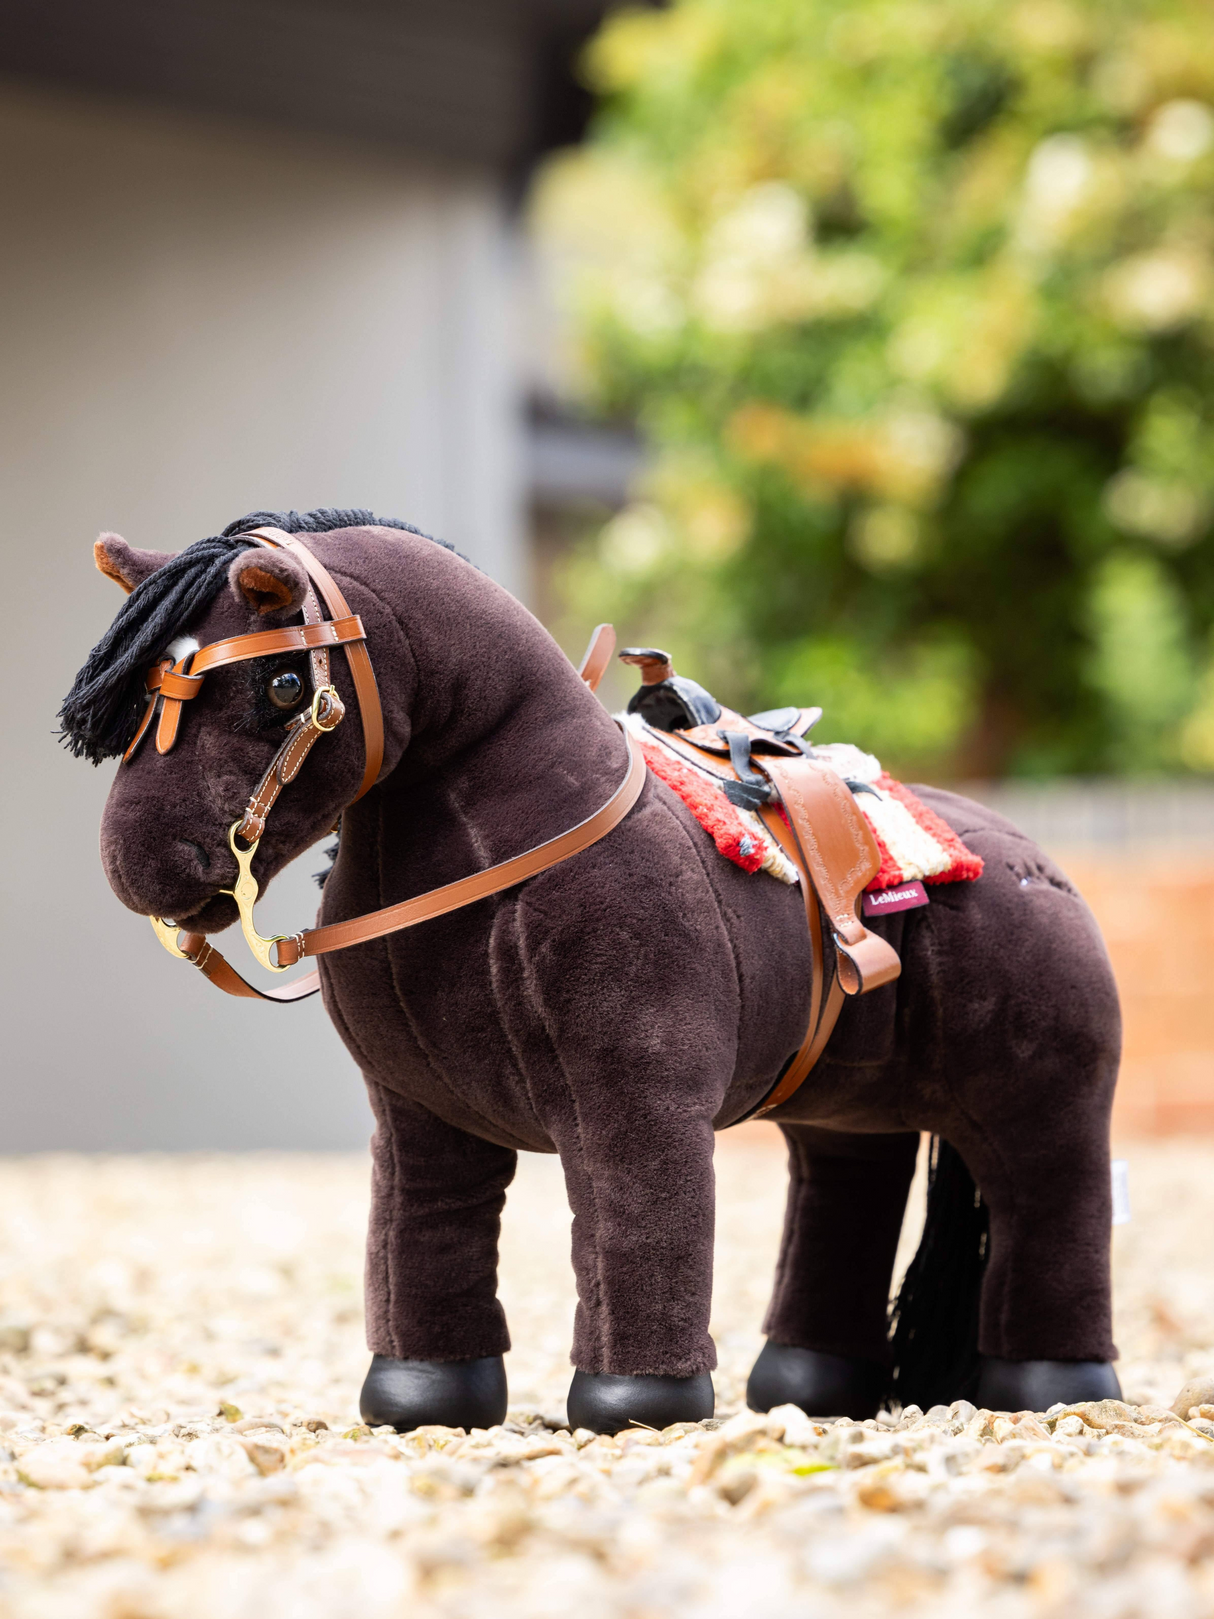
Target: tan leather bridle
172, 684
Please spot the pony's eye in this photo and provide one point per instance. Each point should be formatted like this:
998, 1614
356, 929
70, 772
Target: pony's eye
285, 689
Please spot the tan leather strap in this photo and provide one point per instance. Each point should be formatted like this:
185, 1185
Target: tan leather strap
779, 829
225, 977
798, 1071
356, 654
182, 687
184, 679
467, 890
451, 897
823, 1011
839, 849
598, 655
318, 658
344, 631
326, 713
154, 677
831, 843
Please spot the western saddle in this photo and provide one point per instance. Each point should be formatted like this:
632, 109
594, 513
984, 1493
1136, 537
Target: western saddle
764, 764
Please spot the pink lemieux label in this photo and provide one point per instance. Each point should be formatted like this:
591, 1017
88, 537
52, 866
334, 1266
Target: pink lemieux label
903, 898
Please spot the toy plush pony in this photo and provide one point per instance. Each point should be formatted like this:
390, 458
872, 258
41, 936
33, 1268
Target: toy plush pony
617, 1006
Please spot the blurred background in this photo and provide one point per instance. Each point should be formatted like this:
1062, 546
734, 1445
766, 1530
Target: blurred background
858, 353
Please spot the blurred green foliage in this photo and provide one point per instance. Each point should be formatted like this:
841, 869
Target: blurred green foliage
914, 300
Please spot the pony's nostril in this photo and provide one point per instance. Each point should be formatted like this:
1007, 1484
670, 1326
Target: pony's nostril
204, 859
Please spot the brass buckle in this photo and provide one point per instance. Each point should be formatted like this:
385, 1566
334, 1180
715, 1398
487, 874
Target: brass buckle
333, 706
245, 895
167, 933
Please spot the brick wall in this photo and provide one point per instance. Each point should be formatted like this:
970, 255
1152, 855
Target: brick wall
1143, 858
1156, 911
1142, 855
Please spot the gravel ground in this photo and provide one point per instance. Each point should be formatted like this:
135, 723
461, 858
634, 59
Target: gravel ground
180, 1358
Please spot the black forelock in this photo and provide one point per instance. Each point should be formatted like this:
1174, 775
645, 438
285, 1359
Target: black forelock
101, 713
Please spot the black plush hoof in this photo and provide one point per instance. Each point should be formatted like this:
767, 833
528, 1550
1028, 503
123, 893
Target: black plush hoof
822, 1385
606, 1403
456, 1393
1036, 1385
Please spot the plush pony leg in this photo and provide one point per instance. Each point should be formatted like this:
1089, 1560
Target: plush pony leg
434, 1323
642, 1199
1047, 1291
973, 1258
1014, 1024
630, 1042
827, 1348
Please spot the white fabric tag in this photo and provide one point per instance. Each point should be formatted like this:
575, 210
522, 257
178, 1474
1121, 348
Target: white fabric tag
1121, 1191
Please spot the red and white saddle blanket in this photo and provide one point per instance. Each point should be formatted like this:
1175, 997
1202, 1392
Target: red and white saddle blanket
915, 844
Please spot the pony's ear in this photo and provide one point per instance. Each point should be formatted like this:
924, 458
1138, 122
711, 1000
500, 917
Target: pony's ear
268, 581
123, 564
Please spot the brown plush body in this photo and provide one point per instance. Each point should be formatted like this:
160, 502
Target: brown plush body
620, 1007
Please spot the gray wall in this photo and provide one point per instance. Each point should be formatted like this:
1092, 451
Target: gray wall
197, 320
1107, 818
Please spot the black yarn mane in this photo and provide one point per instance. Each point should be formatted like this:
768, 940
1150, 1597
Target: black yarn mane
101, 713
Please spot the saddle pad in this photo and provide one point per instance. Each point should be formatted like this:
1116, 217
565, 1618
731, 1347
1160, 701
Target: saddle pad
913, 841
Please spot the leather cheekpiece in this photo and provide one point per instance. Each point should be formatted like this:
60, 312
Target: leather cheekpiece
606, 1402
413, 1393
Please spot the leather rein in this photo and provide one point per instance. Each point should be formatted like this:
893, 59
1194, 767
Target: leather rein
820, 829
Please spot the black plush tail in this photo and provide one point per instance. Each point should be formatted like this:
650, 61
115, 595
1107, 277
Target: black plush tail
934, 1319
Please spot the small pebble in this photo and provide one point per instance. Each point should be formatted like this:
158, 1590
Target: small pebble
1197, 1391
